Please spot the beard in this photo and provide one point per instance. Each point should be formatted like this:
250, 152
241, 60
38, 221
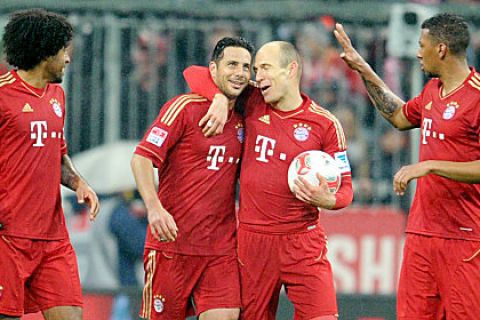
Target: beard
431, 74
57, 79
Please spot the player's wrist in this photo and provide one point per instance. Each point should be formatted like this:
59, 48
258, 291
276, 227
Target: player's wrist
221, 98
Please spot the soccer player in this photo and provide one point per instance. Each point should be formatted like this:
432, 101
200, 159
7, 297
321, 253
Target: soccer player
280, 239
190, 245
440, 274
38, 267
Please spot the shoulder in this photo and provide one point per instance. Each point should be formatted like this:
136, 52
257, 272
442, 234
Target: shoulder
321, 113
184, 100
474, 84
182, 103
6, 80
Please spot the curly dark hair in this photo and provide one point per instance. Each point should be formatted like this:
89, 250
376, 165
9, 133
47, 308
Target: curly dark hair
33, 35
217, 53
450, 29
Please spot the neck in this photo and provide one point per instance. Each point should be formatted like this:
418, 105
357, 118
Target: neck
231, 103
33, 77
454, 74
291, 101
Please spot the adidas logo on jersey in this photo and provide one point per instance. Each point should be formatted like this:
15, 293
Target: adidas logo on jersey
265, 119
27, 108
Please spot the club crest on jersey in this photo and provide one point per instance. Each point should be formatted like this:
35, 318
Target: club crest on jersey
301, 131
57, 108
450, 110
157, 136
158, 303
240, 132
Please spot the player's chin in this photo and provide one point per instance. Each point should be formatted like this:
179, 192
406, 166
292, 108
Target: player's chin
235, 92
57, 79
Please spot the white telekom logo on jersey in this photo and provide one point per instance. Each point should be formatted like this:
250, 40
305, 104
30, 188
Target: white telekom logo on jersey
216, 157
39, 133
427, 131
264, 146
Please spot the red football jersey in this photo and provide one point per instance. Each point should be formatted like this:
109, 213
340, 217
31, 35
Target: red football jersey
272, 139
197, 176
32, 144
450, 130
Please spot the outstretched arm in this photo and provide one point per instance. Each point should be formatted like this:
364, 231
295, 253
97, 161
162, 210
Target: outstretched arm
384, 100
468, 172
71, 179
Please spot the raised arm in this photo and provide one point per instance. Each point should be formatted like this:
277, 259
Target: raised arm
384, 100
71, 179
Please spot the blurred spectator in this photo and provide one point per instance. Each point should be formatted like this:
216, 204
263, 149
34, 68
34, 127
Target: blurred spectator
128, 223
325, 77
358, 143
393, 152
147, 86
217, 33
149, 55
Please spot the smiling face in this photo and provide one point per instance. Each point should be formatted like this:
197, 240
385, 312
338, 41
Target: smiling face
55, 66
428, 54
272, 74
231, 73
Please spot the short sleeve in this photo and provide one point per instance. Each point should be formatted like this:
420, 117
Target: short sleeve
412, 109
167, 129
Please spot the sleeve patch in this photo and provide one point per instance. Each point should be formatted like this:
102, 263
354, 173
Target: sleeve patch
342, 162
157, 136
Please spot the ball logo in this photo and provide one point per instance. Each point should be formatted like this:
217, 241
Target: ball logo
310, 164
303, 164
333, 184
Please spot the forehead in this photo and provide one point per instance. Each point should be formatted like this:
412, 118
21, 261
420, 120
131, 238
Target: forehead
268, 55
236, 54
425, 36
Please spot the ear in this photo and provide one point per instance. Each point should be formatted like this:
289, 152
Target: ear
442, 50
292, 69
212, 67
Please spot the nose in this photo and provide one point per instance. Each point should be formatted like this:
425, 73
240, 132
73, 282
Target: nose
419, 55
240, 71
67, 58
259, 76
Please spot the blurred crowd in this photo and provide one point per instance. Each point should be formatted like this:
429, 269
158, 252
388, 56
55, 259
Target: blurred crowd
152, 58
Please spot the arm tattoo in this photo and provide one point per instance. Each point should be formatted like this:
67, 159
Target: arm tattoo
70, 178
384, 100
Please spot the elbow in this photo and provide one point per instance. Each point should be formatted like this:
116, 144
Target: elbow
134, 163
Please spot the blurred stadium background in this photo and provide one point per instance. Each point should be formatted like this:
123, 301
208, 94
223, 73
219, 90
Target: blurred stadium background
127, 59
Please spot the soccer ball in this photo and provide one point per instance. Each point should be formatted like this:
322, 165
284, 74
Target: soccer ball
308, 163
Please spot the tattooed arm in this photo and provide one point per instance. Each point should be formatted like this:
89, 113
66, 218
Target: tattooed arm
384, 100
71, 179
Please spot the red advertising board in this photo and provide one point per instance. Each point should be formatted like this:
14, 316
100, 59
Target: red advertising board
365, 247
